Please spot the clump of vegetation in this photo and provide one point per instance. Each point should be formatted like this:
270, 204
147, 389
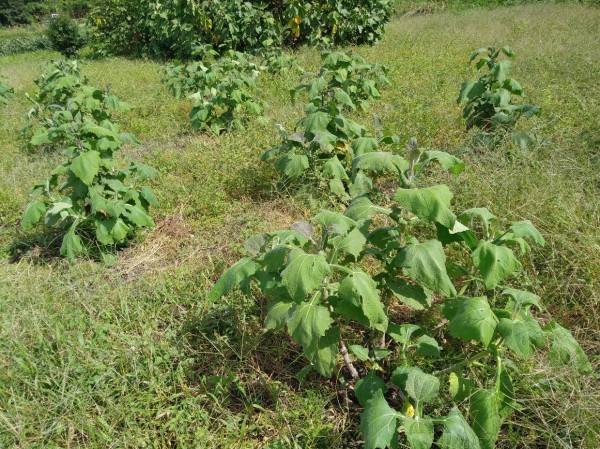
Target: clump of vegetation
23, 45
6, 94
336, 283
222, 89
64, 36
489, 99
91, 200
173, 28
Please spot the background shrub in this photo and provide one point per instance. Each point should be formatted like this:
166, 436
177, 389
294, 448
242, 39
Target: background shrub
23, 45
64, 36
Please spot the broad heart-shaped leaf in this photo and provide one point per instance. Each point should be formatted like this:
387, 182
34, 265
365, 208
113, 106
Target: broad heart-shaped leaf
428, 346
291, 165
521, 334
362, 208
425, 263
419, 432
360, 288
380, 162
71, 245
525, 229
315, 122
495, 263
239, 272
448, 162
422, 387
364, 145
482, 213
86, 166
32, 215
334, 222
308, 322
378, 422
485, 417
414, 296
469, 90
367, 386
429, 203
278, 313
352, 243
471, 319
565, 350
304, 273
457, 433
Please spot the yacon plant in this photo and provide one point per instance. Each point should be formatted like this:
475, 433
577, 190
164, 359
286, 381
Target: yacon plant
489, 100
348, 287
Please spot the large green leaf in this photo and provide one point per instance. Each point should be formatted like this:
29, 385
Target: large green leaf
522, 299
565, 350
351, 243
457, 433
362, 208
367, 386
304, 273
428, 203
239, 272
380, 162
521, 334
425, 263
495, 263
32, 215
86, 166
414, 296
291, 165
378, 422
315, 122
71, 245
485, 417
526, 229
448, 162
308, 322
506, 394
419, 432
469, 90
364, 145
472, 319
360, 288
422, 387
278, 311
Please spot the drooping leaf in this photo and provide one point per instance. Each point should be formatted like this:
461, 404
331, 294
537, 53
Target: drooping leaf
362, 208
428, 203
278, 311
457, 433
469, 90
425, 263
506, 394
525, 229
367, 386
495, 263
516, 335
565, 350
428, 346
414, 296
71, 245
378, 422
485, 417
33, 214
472, 319
360, 288
304, 273
240, 271
86, 166
419, 432
448, 162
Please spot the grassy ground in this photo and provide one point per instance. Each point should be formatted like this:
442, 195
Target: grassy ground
133, 355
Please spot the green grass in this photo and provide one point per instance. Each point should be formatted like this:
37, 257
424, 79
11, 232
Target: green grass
133, 355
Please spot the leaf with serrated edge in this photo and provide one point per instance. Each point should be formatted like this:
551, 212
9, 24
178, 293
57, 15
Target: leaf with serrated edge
473, 320
485, 417
378, 422
457, 433
304, 273
240, 271
428, 203
360, 288
495, 263
419, 432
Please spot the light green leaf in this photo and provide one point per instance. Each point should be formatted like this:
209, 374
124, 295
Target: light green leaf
360, 288
364, 145
304, 273
33, 214
367, 386
525, 229
240, 271
500, 70
565, 350
71, 245
277, 313
472, 319
422, 387
469, 90
360, 352
351, 243
291, 165
378, 422
425, 263
429, 203
516, 336
448, 162
402, 333
457, 433
459, 387
380, 162
495, 263
86, 166
428, 346
315, 122
419, 432
138, 216
485, 417
362, 208
413, 296
506, 394
334, 222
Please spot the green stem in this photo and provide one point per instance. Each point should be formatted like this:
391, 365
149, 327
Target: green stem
341, 268
471, 359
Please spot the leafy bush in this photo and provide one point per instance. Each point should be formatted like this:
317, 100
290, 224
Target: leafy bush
349, 285
63, 102
222, 89
173, 28
64, 36
6, 93
23, 45
490, 98
337, 21
88, 197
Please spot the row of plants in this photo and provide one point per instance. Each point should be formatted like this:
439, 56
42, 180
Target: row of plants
392, 291
6, 94
23, 45
173, 28
93, 202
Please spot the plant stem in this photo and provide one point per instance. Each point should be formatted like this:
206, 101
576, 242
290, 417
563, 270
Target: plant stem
477, 356
348, 360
